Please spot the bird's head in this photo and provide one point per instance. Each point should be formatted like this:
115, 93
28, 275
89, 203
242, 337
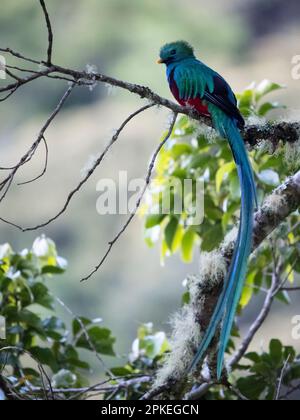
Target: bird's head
175, 52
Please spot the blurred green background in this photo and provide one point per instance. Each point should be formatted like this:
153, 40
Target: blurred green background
245, 40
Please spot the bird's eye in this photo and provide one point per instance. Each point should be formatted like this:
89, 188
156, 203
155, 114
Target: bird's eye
172, 52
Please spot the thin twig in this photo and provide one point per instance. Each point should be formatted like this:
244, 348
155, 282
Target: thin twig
9, 94
97, 163
285, 280
139, 200
26, 80
86, 334
290, 392
12, 75
280, 379
21, 69
238, 393
50, 32
44, 169
19, 55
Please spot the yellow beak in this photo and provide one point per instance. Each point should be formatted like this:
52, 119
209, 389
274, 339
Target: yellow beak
160, 61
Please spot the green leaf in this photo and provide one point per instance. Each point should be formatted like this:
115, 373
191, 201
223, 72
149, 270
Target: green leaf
251, 387
45, 357
153, 220
266, 87
101, 338
211, 210
170, 232
51, 269
263, 369
289, 353
254, 357
122, 371
180, 149
284, 297
186, 298
234, 186
245, 99
76, 325
276, 351
224, 171
187, 245
212, 237
200, 160
41, 296
31, 319
269, 106
248, 290
178, 238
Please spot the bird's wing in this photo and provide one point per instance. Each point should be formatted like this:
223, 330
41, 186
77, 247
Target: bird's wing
194, 79
223, 97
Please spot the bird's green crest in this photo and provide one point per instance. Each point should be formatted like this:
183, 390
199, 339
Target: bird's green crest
176, 51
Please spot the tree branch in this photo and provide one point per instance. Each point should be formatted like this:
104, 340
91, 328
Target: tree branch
44, 168
50, 33
274, 132
90, 172
6, 183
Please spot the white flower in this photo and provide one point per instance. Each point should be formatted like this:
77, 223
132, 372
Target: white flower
5, 251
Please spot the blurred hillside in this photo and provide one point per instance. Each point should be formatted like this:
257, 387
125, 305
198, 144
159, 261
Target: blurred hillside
122, 37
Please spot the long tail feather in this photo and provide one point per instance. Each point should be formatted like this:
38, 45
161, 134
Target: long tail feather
233, 285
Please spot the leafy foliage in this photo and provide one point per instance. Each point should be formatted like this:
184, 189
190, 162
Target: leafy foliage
265, 370
33, 331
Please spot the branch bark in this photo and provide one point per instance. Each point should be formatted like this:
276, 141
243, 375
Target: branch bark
253, 134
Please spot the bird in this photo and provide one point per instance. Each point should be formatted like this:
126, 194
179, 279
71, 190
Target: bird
196, 85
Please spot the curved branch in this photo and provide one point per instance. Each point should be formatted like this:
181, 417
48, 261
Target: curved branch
44, 168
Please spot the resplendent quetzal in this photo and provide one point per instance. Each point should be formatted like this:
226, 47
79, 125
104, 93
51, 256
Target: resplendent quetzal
198, 86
